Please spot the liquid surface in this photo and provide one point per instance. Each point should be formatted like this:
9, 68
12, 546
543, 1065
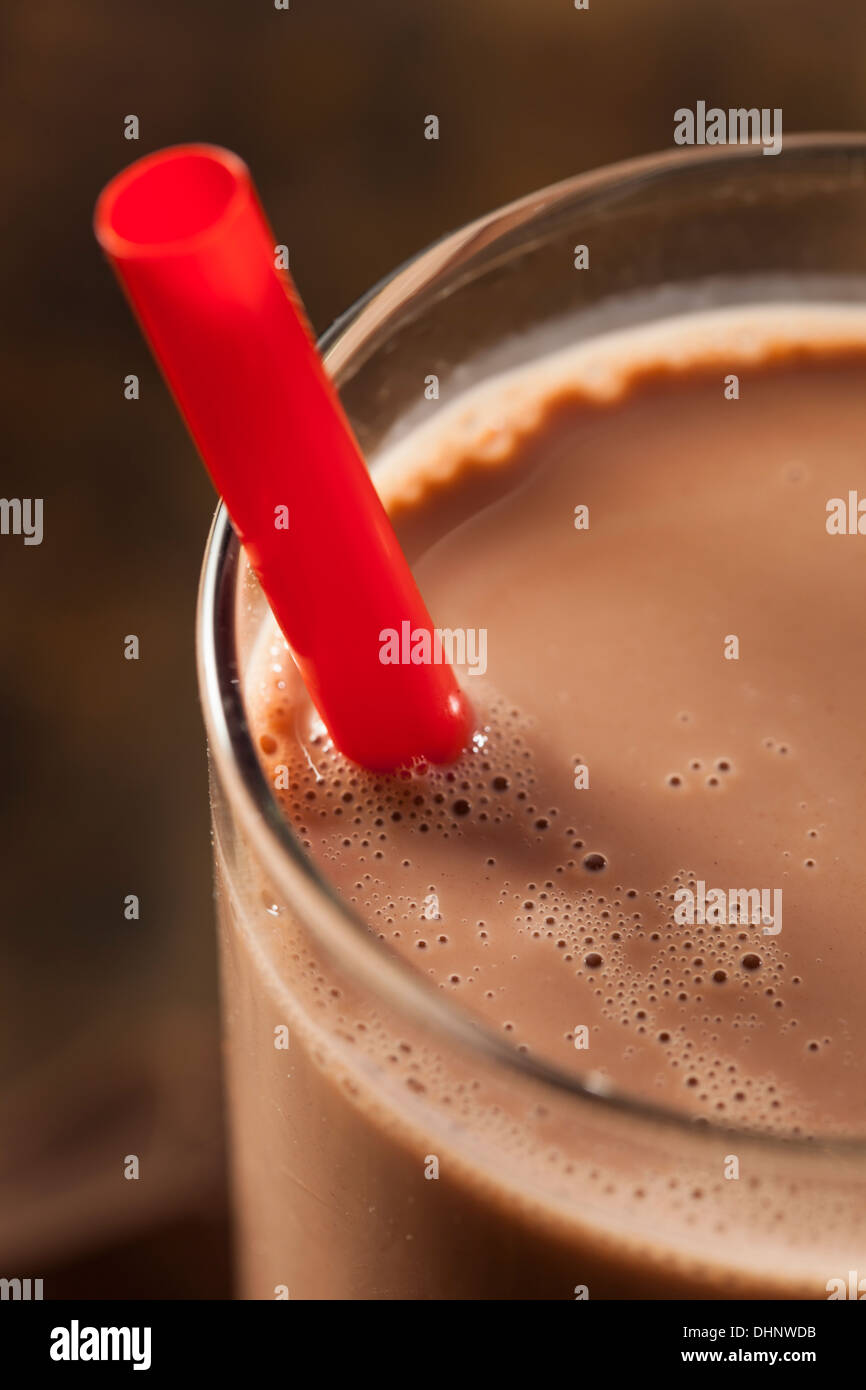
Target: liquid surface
696, 655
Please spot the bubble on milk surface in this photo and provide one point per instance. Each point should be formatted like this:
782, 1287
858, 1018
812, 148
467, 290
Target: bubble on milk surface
665, 997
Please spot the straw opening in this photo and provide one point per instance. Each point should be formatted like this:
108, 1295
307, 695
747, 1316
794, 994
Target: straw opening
164, 203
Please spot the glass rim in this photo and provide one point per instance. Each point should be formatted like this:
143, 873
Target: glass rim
332, 923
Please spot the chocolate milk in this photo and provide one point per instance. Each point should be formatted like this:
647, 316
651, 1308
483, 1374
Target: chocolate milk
646, 871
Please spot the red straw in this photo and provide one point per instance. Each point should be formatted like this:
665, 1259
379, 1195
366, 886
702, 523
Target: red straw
186, 234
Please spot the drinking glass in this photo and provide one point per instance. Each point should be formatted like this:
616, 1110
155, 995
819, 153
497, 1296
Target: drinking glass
352, 1081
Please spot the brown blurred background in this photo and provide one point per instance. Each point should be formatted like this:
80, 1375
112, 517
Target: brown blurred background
109, 1040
